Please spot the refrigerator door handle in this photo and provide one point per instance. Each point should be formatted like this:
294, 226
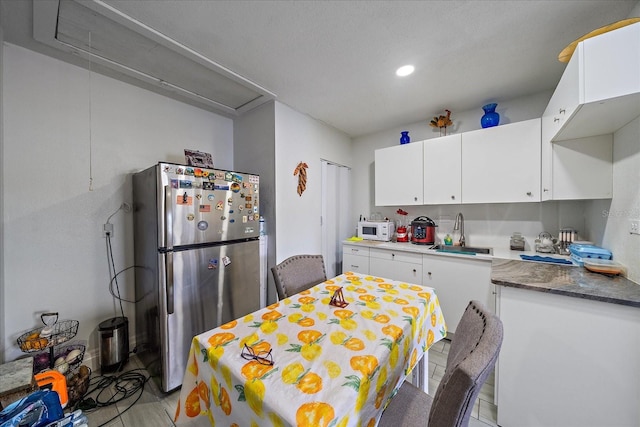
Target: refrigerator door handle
169, 273
168, 218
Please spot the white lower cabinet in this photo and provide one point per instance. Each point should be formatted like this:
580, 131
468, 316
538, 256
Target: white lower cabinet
458, 280
566, 361
355, 258
396, 265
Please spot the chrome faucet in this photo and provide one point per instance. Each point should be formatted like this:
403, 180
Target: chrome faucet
459, 225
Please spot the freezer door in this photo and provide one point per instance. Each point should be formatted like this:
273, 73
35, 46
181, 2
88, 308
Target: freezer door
211, 286
203, 206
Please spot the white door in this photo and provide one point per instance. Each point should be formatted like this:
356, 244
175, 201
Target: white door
336, 212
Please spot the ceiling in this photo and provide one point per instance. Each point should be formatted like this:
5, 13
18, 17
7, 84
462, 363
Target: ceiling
336, 60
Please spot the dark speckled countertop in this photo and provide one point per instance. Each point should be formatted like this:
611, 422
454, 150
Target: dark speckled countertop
565, 280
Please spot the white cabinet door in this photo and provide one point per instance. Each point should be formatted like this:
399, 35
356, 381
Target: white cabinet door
458, 280
571, 356
395, 265
442, 170
546, 157
605, 73
502, 164
398, 175
355, 258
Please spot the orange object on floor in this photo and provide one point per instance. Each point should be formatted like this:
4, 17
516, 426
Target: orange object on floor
54, 380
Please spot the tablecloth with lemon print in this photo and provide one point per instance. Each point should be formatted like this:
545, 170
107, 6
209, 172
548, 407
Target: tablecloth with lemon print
333, 366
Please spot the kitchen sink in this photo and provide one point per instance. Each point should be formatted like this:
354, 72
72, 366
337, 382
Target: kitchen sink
463, 249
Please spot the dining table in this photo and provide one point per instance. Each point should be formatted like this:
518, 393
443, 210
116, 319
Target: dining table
304, 361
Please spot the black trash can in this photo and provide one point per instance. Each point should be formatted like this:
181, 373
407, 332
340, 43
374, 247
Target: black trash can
114, 343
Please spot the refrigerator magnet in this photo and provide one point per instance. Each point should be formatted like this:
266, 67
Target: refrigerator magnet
213, 264
244, 219
191, 217
205, 208
210, 197
235, 187
198, 196
226, 261
219, 205
175, 183
188, 171
203, 225
183, 199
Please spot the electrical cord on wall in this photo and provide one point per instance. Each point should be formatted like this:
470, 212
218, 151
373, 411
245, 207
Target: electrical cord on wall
112, 269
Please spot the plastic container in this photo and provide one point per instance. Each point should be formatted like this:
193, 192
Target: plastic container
604, 266
589, 251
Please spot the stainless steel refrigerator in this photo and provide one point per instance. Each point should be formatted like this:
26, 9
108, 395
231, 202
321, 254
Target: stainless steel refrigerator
196, 238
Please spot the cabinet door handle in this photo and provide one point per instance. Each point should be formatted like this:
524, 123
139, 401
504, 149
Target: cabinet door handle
556, 119
528, 193
415, 199
545, 189
414, 270
561, 111
393, 255
453, 197
429, 273
355, 266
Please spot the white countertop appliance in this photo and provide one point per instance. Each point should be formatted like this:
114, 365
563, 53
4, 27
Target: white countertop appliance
376, 230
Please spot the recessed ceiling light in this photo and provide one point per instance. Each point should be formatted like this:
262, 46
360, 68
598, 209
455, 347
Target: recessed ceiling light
405, 70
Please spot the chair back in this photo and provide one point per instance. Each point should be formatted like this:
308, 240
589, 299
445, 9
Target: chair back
473, 354
297, 273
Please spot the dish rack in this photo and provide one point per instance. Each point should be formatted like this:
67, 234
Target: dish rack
52, 334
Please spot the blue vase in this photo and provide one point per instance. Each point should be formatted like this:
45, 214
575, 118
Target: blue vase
490, 117
404, 138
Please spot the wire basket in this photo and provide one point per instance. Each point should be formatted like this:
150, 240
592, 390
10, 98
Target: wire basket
62, 331
77, 385
73, 354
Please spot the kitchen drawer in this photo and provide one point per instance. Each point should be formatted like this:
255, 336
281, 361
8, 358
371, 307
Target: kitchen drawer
396, 270
355, 250
355, 263
392, 255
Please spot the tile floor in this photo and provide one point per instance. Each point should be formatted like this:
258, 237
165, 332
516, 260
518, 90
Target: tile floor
156, 409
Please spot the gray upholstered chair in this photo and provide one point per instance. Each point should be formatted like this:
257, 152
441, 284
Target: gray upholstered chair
472, 356
297, 273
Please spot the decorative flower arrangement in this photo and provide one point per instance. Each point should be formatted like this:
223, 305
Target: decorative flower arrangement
442, 122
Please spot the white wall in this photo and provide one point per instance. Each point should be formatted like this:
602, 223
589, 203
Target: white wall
1, 196
55, 257
610, 219
300, 138
254, 151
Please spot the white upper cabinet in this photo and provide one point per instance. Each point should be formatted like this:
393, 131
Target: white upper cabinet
398, 175
442, 170
599, 91
502, 164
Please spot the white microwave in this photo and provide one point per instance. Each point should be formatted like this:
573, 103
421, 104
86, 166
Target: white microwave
376, 230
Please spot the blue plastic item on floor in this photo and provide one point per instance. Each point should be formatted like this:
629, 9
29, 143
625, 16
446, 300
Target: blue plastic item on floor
545, 259
35, 410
